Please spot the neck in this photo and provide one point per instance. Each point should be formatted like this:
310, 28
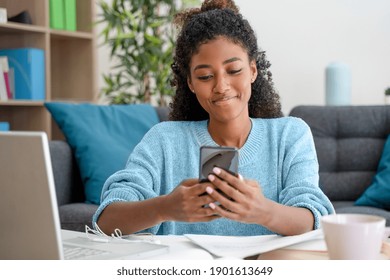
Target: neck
232, 133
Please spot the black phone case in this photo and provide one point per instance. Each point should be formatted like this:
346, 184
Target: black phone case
222, 157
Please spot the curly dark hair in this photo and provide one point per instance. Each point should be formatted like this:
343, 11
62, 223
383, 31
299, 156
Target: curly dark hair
200, 25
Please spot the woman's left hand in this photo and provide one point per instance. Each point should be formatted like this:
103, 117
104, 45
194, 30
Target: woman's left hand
242, 200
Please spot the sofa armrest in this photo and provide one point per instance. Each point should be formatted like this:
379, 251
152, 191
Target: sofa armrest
163, 113
69, 188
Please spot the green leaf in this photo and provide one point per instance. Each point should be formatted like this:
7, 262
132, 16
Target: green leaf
141, 38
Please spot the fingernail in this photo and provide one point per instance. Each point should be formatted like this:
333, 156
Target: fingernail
209, 190
212, 205
240, 177
216, 170
211, 177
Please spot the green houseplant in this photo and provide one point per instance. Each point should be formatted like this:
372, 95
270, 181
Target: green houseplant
140, 36
387, 96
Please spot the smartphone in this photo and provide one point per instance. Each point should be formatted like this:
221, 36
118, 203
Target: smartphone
222, 157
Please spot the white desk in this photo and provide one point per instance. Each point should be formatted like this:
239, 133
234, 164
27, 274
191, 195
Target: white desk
181, 248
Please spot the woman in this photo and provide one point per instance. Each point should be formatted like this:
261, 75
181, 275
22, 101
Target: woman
224, 97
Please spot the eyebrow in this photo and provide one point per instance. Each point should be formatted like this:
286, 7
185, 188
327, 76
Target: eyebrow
230, 60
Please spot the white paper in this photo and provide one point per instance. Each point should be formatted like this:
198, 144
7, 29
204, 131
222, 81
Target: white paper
245, 246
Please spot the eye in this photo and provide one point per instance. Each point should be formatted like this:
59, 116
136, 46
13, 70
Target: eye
205, 77
234, 71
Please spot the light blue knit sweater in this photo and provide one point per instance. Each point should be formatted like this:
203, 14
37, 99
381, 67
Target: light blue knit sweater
279, 154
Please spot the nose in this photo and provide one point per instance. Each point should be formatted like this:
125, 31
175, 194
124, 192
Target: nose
221, 84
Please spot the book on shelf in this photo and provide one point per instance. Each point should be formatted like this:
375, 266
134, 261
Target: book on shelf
70, 15
63, 14
4, 126
3, 89
5, 70
11, 79
3, 15
28, 75
57, 14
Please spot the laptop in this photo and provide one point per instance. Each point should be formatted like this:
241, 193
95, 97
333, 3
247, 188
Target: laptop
29, 218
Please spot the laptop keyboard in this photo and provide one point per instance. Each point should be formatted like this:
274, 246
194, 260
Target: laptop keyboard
75, 252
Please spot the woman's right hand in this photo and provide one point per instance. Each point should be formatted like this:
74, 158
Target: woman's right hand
186, 203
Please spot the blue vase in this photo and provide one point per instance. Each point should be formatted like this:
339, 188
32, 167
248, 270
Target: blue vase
338, 84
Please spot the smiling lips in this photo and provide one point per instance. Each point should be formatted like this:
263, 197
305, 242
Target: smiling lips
223, 99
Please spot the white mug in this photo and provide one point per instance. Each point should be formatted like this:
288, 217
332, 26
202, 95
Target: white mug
353, 236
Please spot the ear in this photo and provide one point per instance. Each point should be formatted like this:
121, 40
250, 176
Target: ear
253, 70
189, 83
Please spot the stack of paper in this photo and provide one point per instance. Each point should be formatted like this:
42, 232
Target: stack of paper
246, 246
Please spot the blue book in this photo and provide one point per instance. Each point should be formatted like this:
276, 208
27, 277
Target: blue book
4, 126
29, 72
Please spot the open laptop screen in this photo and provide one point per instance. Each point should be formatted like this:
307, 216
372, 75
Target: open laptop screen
28, 206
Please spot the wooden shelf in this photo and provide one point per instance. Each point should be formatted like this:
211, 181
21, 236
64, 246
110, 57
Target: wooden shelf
13, 27
61, 34
21, 103
70, 61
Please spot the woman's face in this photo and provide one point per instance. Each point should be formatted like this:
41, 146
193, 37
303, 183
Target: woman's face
221, 76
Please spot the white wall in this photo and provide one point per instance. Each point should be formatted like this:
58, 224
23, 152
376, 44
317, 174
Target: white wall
301, 37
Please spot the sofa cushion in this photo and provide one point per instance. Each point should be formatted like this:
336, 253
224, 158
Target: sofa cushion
75, 216
349, 141
378, 193
101, 137
67, 179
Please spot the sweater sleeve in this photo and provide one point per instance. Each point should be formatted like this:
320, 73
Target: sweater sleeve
300, 178
139, 180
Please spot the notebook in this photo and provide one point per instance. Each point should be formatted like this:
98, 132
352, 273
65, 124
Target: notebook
29, 219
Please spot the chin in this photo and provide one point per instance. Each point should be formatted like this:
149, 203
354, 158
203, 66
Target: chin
230, 115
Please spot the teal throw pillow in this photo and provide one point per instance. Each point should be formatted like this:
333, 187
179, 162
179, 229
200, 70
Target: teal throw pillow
101, 137
378, 193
